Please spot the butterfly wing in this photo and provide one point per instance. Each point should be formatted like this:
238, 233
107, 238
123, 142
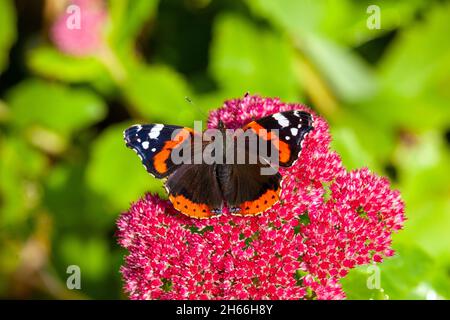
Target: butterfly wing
186, 183
292, 126
194, 190
247, 191
154, 143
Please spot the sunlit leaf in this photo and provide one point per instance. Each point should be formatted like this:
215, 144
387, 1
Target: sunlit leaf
72, 204
419, 54
128, 18
89, 254
51, 63
424, 168
413, 76
53, 106
245, 57
323, 18
348, 75
20, 168
159, 94
410, 274
7, 30
362, 143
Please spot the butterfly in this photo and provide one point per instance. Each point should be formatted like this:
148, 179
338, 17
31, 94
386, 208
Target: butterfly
201, 190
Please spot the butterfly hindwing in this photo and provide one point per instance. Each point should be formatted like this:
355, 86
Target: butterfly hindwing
292, 128
194, 190
247, 191
154, 142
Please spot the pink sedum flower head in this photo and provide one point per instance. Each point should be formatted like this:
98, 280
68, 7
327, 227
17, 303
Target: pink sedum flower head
79, 30
328, 221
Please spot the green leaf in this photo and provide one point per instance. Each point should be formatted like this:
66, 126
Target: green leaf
91, 255
128, 18
360, 284
393, 15
20, 168
245, 57
7, 30
79, 209
53, 106
348, 75
4, 112
323, 18
424, 169
361, 143
51, 63
116, 173
351, 149
410, 274
295, 16
414, 74
158, 93
419, 54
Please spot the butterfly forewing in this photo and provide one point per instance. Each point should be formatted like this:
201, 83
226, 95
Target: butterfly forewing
288, 129
154, 143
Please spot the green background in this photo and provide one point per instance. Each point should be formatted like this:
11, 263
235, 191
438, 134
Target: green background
65, 174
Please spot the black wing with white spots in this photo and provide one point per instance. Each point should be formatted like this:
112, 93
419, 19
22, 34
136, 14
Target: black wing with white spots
153, 144
292, 126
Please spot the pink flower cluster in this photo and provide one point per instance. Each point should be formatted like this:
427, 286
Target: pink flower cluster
80, 32
327, 222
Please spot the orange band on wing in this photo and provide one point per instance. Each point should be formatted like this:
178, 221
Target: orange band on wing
283, 148
189, 208
264, 202
160, 159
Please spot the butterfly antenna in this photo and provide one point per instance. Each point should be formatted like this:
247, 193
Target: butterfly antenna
199, 110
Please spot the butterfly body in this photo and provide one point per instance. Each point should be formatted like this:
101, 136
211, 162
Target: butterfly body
202, 189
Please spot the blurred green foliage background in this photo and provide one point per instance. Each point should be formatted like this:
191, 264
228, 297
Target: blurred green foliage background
65, 174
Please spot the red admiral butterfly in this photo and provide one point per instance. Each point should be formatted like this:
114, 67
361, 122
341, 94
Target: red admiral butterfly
199, 190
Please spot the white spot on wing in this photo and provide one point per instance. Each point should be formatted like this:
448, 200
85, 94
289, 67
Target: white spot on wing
155, 131
282, 120
288, 138
145, 145
294, 131
153, 149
